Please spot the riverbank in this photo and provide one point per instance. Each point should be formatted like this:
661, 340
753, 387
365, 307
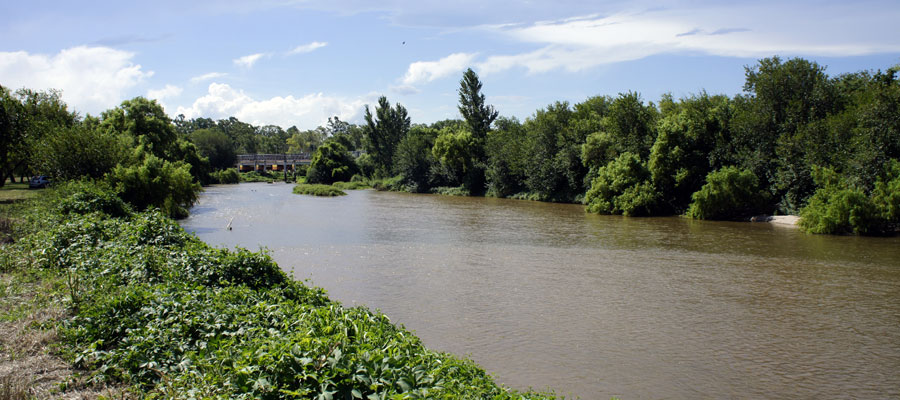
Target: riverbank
146, 305
792, 221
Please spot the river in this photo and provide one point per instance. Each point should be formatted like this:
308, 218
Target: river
547, 296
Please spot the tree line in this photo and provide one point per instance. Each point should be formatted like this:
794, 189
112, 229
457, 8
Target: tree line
796, 141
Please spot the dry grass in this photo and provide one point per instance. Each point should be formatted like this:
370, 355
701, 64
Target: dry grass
29, 369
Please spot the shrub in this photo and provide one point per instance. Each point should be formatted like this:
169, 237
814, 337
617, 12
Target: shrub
226, 176
158, 183
318, 190
622, 187
351, 185
331, 163
838, 207
729, 192
451, 190
254, 176
88, 197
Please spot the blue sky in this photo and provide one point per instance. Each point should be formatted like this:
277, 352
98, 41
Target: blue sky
298, 62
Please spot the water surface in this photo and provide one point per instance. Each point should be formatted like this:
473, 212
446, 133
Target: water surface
550, 297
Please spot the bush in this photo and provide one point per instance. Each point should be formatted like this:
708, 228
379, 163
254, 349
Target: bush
156, 183
622, 187
254, 176
840, 208
729, 193
89, 198
451, 190
351, 185
331, 163
318, 190
226, 176
394, 184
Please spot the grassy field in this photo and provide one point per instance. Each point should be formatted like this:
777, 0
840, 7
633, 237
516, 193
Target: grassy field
13, 192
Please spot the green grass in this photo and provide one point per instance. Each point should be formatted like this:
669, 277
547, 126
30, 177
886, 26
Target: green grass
13, 192
318, 190
351, 185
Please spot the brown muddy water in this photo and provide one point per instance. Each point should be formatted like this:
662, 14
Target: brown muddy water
549, 297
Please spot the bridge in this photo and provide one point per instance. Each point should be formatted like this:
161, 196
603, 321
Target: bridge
271, 162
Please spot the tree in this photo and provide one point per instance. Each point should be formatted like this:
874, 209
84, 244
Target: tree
331, 163
216, 146
79, 151
729, 192
549, 146
507, 152
146, 123
384, 131
156, 182
13, 134
623, 187
304, 141
478, 116
25, 118
453, 152
414, 160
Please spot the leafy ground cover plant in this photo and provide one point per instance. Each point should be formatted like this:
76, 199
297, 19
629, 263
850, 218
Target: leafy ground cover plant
153, 308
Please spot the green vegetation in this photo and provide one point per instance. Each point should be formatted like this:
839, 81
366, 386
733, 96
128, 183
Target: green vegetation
705, 156
331, 163
151, 307
226, 176
315, 189
352, 185
263, 176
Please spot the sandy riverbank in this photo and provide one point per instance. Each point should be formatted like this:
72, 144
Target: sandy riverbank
782, 220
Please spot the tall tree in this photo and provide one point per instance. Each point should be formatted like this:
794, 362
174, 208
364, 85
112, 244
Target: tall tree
478, 115
384, 131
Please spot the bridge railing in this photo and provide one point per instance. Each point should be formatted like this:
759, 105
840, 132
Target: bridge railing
250, 158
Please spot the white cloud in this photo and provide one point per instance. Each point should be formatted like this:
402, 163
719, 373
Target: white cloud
306, 48
575, 44
167, 92
307, 112
249, 60
427, 71
92, 79
160, 95
209, 76
405, 89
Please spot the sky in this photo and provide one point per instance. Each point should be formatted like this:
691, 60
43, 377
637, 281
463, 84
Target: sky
299, 62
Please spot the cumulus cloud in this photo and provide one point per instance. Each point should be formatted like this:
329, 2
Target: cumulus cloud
249, 60
168, 91
307, 112
160, 95
209, 76
736, 31
306, 48
427, 71
92, 79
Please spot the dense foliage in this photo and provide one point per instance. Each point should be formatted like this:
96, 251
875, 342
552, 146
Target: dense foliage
705, 156
792, 120
331, 163
156, 309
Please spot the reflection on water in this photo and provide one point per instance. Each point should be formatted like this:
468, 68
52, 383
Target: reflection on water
547, 296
